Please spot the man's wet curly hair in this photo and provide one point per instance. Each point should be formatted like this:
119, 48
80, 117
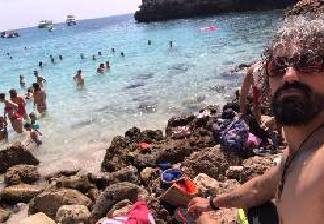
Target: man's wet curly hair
298, 34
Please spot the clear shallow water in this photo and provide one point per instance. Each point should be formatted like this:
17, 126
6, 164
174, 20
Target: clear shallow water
81, 123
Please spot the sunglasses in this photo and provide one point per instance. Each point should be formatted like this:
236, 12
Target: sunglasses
306, 62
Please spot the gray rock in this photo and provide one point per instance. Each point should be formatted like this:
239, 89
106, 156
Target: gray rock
73, 214
21, 174
50, 201
20, 193
39, 218
112, 195
15, 155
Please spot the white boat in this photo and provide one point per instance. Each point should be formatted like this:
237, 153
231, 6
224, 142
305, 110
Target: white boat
9, 34
45, 24
70, 20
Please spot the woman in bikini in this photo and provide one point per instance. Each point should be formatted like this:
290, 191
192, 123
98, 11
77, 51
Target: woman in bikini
11, 109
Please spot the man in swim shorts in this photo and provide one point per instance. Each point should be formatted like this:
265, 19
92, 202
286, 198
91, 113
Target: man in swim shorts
39, 98
295, 68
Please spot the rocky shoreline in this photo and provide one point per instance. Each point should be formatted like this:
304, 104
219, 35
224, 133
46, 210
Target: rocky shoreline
159, 10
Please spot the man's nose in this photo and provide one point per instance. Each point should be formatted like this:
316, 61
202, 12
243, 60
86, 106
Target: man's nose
290, 75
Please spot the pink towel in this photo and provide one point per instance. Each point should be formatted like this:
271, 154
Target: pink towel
138, 214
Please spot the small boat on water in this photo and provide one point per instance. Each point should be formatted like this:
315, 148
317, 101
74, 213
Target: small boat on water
70, 20
45, 24
9, 34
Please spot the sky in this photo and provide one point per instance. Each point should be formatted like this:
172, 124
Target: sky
26, 13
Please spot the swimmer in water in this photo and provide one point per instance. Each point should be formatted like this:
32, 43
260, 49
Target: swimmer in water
122, 54
79, 78
40, 64
94, 57
99, 52
82, 56
107, 65
22, 81
113, 50
149, 42
61, 57
39, 79
101, 69
170, 43
33, 135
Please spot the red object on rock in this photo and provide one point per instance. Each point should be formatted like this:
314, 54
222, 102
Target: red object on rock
144, 147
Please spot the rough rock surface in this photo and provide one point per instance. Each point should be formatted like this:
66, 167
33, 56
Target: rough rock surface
20, 193
50, 201
73, 214
39, 218
127, 174
211, 161
174, 9
15, 155
208, 186
256, 166
112, 195
79, 182
306, 6
27, 174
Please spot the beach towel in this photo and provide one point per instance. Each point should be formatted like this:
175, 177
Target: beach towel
139, 214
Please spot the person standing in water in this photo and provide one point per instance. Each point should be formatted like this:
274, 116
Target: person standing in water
79, 78
39, 99
20, 101
39, 79
3, 128
22, 81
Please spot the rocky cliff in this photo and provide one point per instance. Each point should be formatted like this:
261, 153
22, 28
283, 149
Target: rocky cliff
156, 10
306, 6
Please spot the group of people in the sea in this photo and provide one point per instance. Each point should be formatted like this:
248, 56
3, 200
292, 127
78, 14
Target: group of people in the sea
16, 113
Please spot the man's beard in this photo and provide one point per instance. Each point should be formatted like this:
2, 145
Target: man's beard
297, 108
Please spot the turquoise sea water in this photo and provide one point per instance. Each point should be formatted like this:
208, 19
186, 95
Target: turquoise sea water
81, 123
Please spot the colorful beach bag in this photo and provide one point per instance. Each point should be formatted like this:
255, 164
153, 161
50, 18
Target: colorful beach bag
235, 136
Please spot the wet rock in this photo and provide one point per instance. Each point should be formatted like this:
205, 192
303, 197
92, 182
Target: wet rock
38, 218
112, 162
73, 214
15, 155
256, 166
20, 193
4, 215
79, 182
50, 201
151, 135
208, 186
113, 194
211, 161
21, 174
127, 174
133, 134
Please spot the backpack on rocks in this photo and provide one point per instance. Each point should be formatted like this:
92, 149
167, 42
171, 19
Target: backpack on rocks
235, 136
